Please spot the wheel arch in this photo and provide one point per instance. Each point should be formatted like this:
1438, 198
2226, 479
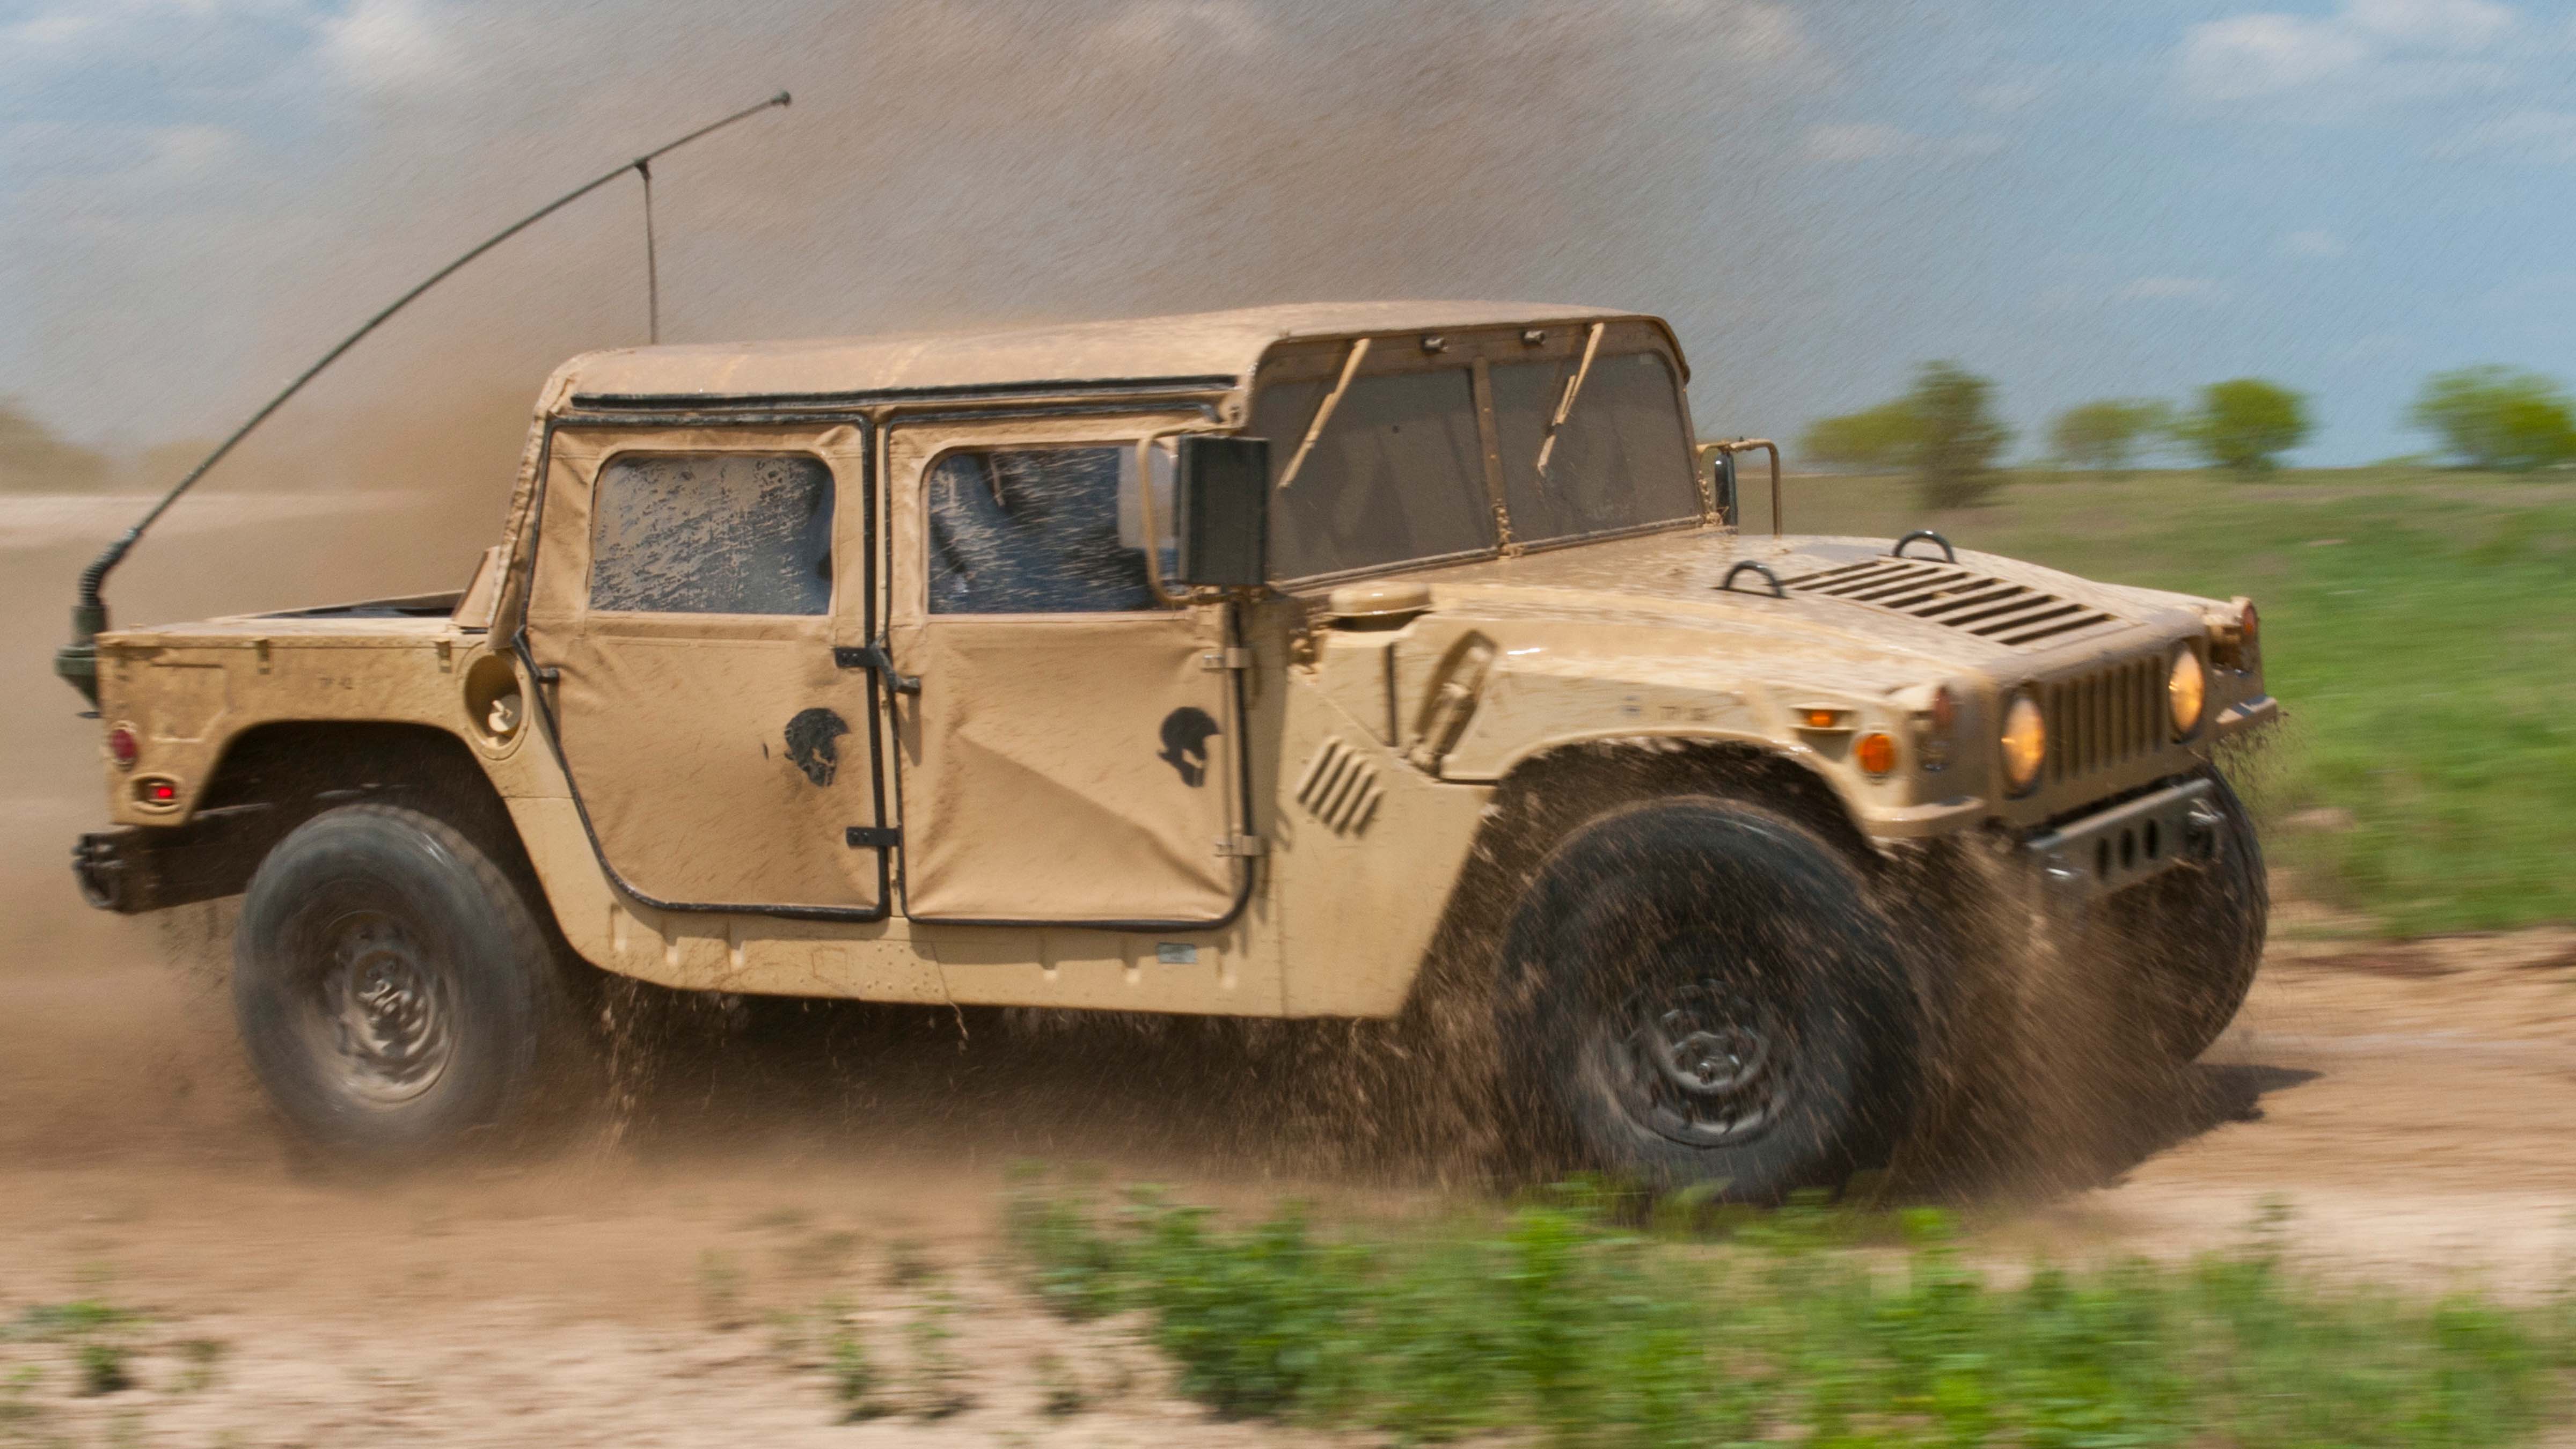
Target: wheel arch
1549, 794
275, 775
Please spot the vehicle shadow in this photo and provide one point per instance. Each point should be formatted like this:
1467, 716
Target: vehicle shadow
2076, 1135
1178, 1098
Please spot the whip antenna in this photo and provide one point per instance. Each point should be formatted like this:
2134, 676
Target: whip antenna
77, 661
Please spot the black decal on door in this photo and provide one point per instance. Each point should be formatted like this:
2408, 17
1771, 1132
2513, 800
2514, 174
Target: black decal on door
811, 744
1185, 748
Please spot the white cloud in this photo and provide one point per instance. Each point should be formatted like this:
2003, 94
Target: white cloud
1869, 141
2169, 289
389, 45
2366, 50
2459, 25
2313, 245
2006, 96
2530, 135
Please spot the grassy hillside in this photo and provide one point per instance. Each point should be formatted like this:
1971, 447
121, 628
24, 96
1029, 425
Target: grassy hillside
2419, 626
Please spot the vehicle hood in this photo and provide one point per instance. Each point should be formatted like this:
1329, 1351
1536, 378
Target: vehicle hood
1846, 610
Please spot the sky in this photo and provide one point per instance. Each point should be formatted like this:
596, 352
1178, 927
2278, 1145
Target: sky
2079, 200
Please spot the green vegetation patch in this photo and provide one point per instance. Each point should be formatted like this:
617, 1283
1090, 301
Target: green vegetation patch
1556, 1318
2419, 627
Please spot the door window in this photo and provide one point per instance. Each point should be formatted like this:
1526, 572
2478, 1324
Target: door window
1039, 531
712, 533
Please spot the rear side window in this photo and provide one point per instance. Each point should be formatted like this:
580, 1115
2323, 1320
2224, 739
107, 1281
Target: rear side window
1036, 531
712, 533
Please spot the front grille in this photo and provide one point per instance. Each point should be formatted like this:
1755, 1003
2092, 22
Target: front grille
2104, 718
1989, 608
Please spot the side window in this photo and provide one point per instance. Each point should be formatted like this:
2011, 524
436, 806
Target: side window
1039, 531
712, 533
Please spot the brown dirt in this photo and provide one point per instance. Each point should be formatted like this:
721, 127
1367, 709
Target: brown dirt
2413, 1105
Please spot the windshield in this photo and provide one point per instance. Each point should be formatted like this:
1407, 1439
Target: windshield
1621, 460
1397, 474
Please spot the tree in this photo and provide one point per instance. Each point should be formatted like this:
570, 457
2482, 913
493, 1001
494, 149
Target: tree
2245, 424
2495, 417
1880, 439
1958, 437
32, 457
2110, 434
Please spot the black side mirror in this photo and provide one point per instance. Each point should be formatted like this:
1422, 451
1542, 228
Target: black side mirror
1221, 492
1721, 480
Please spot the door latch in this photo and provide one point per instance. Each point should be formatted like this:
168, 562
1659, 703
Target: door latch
876, 657
873, 837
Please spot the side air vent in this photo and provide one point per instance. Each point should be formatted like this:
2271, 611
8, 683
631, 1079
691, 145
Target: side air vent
1340, 788
1944, 593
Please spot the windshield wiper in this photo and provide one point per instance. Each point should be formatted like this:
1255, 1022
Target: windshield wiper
1573, 388
1324, 411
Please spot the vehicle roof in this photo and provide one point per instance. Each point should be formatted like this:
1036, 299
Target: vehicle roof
1219, 349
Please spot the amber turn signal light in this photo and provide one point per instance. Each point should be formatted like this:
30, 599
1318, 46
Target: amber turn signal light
1875, 752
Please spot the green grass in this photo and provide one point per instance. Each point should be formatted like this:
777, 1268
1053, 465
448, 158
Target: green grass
2419, 627
1556, 1319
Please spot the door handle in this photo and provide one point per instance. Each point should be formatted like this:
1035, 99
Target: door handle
875, 657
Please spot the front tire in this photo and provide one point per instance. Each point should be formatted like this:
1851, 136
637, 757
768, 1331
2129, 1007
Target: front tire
2189, 940
396, 993
1698, 991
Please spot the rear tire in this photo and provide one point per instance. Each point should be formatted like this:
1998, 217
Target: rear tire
2190, 939
397, 995
1698, 991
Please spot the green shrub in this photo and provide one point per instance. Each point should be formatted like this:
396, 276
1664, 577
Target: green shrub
2495, 417
1556, 1319
2244, 425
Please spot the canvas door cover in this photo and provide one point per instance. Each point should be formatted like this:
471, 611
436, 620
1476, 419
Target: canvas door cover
1058, 767
690, 586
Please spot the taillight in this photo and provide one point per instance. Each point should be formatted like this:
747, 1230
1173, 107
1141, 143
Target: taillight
157, 792
123, 748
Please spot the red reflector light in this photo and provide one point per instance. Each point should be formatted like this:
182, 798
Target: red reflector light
121, 747
1945, 709
157, 792
2251, 624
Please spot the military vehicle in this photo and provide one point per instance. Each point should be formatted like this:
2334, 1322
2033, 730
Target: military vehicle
1245, 664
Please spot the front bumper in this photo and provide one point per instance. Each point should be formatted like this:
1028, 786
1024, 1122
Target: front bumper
2129, 843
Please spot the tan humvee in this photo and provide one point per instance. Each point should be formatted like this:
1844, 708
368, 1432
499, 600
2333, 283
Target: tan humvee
883, 669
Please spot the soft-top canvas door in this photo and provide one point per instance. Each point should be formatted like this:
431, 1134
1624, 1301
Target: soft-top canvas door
691, 585
1073, 753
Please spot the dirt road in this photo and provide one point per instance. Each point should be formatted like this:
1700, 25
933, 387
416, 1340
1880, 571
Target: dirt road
674, 1276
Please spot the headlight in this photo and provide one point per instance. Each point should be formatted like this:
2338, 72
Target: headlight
2025, 742
2186, 690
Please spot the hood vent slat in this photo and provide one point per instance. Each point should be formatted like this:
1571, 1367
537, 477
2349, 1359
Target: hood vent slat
1942, 593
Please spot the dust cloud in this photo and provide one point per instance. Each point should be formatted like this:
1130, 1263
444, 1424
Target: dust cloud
945, 164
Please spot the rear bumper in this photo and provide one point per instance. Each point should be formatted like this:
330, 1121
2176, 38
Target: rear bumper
136, 868
2127, 844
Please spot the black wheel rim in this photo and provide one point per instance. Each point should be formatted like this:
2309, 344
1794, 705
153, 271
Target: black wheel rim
380, 1009
1702, 1062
